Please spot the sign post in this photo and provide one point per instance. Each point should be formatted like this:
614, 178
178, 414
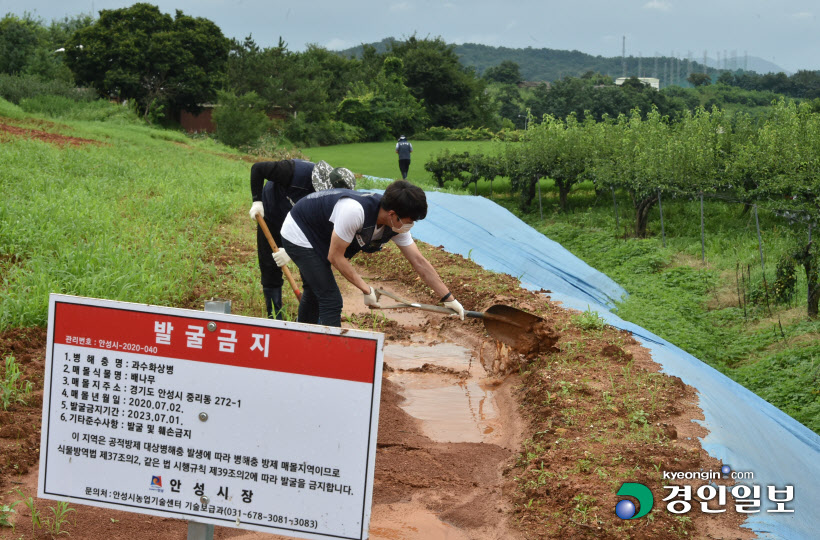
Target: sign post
210, 417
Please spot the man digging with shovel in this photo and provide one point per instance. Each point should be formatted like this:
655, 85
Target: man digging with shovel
288, 182
325, 229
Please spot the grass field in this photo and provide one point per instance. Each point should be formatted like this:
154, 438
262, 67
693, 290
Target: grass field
143, 215
701, 306
704, 307
134, 216
380, 159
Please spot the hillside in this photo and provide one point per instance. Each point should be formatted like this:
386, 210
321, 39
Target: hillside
554, 64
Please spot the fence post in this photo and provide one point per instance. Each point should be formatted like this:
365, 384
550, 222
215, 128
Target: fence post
205, 531
762, 267
615, 204
702, 233
759, 243
660, 207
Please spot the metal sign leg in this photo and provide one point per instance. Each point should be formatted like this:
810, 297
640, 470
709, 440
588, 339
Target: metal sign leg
200, 531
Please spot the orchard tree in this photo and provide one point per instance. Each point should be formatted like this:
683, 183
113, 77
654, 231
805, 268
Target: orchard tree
784, 164
700, 151
157, 60
559, 150
640, 162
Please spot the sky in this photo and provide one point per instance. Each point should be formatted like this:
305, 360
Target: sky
784, 32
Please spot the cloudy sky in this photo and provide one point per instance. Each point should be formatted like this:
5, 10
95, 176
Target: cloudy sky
785, 32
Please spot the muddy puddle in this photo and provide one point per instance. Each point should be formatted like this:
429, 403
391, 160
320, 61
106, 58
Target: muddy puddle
411, 521
445, 388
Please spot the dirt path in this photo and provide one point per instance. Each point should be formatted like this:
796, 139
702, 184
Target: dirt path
475, 441
439, 472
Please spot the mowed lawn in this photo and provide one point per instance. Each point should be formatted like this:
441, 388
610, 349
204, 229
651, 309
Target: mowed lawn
380, 159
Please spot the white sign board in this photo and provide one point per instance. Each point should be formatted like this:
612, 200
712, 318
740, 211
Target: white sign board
215, 418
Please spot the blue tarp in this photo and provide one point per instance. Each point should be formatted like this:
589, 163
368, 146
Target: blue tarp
745, 432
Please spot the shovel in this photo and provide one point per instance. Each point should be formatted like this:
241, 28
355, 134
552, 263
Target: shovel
285, 270
507, 324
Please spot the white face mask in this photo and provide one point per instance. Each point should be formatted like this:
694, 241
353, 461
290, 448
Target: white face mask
404, 227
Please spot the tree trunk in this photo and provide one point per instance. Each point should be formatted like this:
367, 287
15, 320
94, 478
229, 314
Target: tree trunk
563, 193
642, 209
528, 194
810, 265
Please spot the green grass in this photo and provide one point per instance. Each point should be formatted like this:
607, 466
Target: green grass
132, 218
695, 304
141, 216
12, 388
380, 159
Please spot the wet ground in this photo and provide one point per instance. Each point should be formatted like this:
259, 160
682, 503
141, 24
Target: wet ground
459, 407
449, 458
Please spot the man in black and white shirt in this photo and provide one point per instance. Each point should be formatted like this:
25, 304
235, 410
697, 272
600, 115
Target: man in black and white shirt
325, 229
288, 181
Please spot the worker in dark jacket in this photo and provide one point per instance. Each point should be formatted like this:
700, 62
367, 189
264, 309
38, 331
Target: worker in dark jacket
326, 229
288, 182
403, 149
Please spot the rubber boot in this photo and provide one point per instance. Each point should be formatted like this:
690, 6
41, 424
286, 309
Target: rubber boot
273, 302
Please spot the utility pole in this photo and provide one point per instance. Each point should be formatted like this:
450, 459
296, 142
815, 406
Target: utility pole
671, 68
623, 56
688, 63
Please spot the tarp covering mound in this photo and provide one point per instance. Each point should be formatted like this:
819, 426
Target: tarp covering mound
745, 432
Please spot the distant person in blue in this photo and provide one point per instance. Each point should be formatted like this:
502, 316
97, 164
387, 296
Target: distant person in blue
403, 149
288, 181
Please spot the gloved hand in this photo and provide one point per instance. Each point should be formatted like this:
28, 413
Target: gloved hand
281, 257
256, 208
456, 306
371, 299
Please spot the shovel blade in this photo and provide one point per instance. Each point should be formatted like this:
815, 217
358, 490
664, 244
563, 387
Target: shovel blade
513, 327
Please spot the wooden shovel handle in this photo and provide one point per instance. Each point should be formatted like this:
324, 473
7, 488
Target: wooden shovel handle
261, 221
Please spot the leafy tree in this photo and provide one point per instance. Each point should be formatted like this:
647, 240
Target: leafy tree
447, 167
451, 93
584, 96
699, 79
507, 72
385, 107
142, 54
267, 72
304, 87
510, 105
556, 149
783, 166
240, 120
18, 42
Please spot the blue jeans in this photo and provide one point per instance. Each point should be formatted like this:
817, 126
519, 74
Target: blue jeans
321, 299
